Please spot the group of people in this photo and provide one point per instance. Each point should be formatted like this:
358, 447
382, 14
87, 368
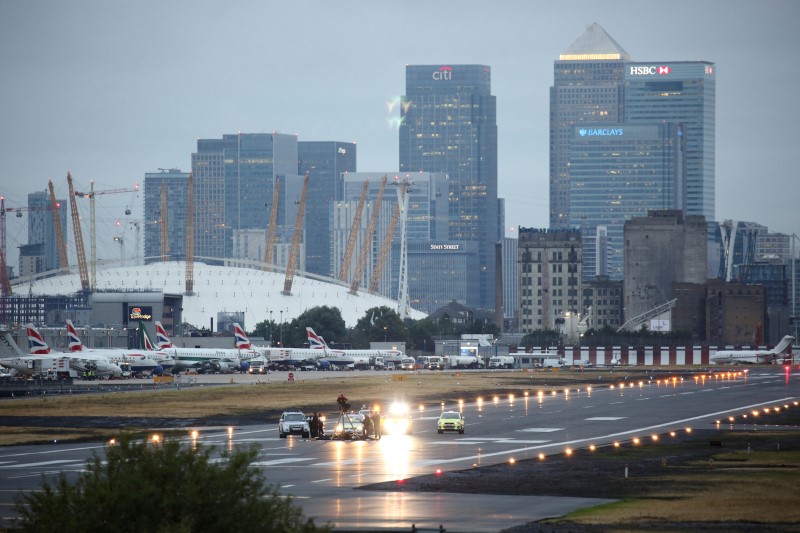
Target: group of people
372, 425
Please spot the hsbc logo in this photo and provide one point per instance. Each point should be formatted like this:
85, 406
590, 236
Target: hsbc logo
443, 74
649, 70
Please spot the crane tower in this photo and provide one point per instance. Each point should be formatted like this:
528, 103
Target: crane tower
291, 265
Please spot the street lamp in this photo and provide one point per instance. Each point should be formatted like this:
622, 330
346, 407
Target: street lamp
281, 326
270, 328
385, 328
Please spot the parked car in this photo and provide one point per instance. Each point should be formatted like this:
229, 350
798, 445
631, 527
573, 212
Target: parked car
293, 423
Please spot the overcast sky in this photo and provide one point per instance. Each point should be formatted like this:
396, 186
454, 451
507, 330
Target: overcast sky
110, 90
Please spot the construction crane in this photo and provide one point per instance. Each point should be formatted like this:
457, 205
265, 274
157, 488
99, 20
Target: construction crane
61, 243
163, 222
291, 264
273, 220
385, 247
76, 229
367, 240
92, 220
351, 240
190, 236
5, 283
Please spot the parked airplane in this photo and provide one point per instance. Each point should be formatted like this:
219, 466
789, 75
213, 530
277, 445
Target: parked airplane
138, 360
357, 358
219, 359
752, 356
13, 357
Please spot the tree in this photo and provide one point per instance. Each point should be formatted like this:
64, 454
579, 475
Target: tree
164, 487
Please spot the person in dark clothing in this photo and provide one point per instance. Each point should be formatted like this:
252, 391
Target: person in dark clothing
320, 425
314, 426
367, 426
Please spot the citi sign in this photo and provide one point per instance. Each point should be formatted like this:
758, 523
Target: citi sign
599, 132
649, 71
443, 74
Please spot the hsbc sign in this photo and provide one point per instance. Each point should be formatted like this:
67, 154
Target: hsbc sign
649, 70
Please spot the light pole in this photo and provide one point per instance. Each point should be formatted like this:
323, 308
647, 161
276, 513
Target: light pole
270, 329
281, 326
385, 328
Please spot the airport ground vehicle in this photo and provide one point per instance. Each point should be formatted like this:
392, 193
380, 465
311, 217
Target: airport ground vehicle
501, 361
293, 423
450, 421
349, 426
397, 420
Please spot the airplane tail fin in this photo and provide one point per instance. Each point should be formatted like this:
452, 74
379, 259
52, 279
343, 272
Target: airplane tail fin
242, 342
75, 344
36, 342
161, 336
315, 341
8, 346
785, 343
144, 339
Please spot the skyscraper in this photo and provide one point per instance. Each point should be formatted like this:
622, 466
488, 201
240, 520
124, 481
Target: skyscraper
653, 147
175, 186
588, 83
449, 124
681, 92
325, 161
41, 228
233, 183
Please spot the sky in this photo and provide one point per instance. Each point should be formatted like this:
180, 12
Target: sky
111, 90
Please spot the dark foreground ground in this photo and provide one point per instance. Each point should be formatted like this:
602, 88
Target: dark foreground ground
601, 474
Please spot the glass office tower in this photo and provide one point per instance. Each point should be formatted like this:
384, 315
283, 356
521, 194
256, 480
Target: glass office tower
41, 227
176, 191
233, 183
325, 161
682, 92
620, 171
588, 81
449, 125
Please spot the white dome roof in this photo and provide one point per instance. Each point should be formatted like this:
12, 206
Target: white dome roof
225, 289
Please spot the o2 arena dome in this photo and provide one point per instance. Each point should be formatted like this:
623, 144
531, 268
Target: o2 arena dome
223, 289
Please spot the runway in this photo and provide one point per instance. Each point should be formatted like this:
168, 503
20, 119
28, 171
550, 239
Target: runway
323, 475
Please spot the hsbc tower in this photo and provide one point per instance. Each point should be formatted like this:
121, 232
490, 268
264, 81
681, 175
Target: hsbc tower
681, 92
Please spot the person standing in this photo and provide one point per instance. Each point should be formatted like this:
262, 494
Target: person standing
367, 426
314, 429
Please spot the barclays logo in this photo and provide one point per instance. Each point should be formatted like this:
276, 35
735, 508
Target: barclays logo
600, 132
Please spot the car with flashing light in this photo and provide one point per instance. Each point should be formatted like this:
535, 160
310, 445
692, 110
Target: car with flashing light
450, 421
293, 423
350, 426
396, 420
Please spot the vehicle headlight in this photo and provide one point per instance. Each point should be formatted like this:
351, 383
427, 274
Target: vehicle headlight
339, 428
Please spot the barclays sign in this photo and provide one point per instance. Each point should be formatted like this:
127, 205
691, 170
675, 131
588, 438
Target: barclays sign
600, 132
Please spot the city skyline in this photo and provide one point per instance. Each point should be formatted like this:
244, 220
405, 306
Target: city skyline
112, 92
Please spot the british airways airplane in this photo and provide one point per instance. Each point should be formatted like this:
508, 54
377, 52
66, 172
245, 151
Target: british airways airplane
139, 360
220, 359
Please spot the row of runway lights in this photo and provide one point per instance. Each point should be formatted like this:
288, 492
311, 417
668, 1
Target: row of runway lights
671, 381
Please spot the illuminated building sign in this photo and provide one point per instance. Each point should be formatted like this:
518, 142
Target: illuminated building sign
140, 313
445, 247
649, 70
443, 74
600, 132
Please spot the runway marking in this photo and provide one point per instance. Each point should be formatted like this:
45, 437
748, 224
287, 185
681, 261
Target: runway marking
42, 463
607, 418
611, 435
288, 460
541, 430
322, 480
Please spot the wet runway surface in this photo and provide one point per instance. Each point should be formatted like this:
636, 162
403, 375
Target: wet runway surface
324, 475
